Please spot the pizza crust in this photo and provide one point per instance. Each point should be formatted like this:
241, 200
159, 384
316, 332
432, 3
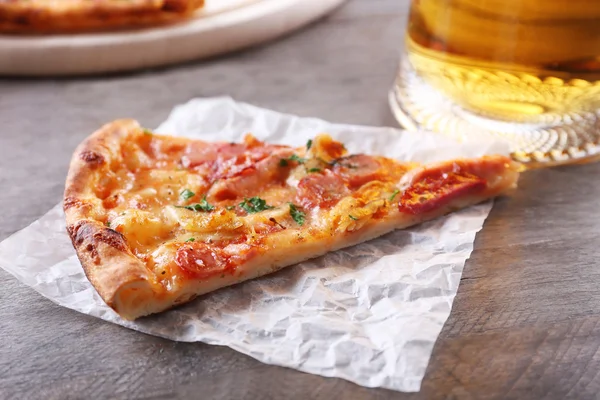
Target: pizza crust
133, 289
51, 16
120, 278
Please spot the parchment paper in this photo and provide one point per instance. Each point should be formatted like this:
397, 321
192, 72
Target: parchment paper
369, 314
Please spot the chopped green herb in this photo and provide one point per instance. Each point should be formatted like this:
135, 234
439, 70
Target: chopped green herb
309, 144
353, 217
283, 162
107, 223
311, 170
254, 205
202, 206
191, 240
186, 194
230, 208
148, 132
394, 194
299, 160
297, 215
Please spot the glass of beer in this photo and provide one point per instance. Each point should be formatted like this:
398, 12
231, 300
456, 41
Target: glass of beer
524, 71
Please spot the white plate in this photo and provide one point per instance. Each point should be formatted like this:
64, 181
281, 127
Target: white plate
222, 26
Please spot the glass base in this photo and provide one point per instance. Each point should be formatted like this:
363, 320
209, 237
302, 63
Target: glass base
416, 105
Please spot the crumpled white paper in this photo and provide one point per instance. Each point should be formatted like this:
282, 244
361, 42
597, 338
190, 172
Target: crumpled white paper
369, 314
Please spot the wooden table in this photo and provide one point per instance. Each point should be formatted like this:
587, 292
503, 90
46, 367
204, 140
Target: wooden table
525, 322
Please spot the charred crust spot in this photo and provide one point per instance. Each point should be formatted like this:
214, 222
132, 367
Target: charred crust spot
70, 202
92, 250
92, 158
87, 231
111, 238
21, 20
71, 231
174, 6
79, 232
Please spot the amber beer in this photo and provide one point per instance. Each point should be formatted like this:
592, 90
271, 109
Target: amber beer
535, 61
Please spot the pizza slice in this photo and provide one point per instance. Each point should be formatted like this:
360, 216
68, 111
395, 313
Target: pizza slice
37, 16
159, 220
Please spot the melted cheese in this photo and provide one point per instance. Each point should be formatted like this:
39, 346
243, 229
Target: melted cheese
144, 197
142, 229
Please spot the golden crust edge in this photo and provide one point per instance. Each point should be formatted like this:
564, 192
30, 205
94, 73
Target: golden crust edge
23, 20
104, 255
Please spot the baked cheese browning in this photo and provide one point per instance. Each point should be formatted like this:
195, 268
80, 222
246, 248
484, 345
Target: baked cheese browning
196, 213
39, 16
173, 196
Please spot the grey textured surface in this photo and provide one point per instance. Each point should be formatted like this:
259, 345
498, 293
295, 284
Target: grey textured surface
524, 322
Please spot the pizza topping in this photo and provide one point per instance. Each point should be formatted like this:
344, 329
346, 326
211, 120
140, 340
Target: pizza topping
273, 220
320, 190
186, 194
200, 153
267, 227
193, 212
358, 169
436, 189
239, 253
202, 206
351, 213
226, 160
284, 162
249, 182
254, 205
141, 228
200, 260
298, 159
219, 221
325, 148
297, 215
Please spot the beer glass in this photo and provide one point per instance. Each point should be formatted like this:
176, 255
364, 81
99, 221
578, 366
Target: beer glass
524, 71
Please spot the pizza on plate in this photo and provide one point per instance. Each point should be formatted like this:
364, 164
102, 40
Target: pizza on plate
159, 220
39, 16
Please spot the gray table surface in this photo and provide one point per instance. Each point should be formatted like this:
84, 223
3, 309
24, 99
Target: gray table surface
525, 320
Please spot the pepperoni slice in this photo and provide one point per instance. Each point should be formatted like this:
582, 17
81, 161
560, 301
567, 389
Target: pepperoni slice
200, 261
323, 190
358, 169
226, 160
487, 166
437, 189
249, 180
198, 153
